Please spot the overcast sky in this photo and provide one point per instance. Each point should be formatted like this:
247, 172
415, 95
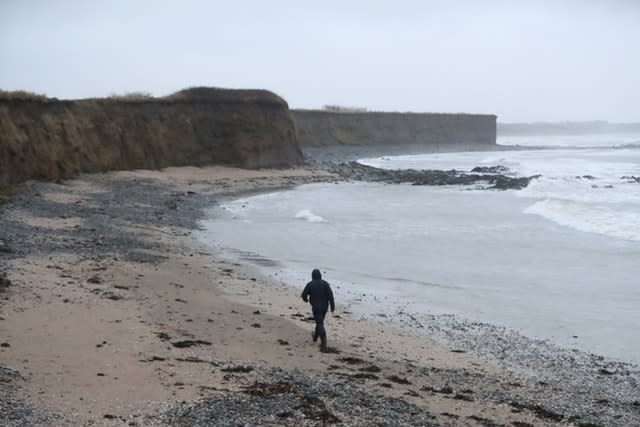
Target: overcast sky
522, 60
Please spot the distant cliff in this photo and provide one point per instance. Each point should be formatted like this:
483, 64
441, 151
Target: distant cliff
567, 128
43, 138
326, 128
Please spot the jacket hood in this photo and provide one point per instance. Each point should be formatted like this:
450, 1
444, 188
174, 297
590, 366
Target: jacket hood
315, 274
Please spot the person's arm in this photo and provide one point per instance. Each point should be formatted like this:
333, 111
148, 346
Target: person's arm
305, 293
330, 294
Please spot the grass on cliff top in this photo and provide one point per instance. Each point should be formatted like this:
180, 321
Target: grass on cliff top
201, 94
22, 95
214, 94
131, 97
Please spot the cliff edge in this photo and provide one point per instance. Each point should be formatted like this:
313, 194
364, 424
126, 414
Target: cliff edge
326, 128
47, 138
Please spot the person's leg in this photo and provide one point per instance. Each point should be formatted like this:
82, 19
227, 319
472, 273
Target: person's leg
318, 316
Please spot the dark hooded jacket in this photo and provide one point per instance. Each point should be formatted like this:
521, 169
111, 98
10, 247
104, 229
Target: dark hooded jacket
318, 292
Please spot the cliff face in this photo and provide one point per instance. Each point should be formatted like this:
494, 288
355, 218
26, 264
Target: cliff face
323, 128
52, 139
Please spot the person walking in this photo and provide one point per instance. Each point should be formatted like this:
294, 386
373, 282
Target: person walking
318, 293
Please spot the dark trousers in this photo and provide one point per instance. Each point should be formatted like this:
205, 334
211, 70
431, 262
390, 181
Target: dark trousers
318, 316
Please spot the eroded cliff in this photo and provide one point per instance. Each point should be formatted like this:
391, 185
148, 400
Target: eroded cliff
326, 128
42, 138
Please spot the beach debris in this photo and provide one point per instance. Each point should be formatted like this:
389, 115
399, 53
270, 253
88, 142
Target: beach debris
283, 342
4, 281
351, 360
398, 380
112, 296
303, 318
365, 376
446, 389
163, 336
464, 397
94, 279
482, 420
154, 359
315, 409
4, 247
455, 417
268, 389
189, 343
238, 369
539, 410
194, 359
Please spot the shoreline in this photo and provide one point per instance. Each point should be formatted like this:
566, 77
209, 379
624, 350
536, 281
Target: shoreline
109, 263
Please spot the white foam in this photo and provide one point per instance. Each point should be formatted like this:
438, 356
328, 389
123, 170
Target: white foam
585, 140
309, 216
620, 223
581, 188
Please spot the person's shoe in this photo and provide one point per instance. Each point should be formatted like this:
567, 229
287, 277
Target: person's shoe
314, 336
323, 344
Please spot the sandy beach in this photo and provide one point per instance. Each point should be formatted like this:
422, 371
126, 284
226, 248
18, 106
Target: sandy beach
117, 315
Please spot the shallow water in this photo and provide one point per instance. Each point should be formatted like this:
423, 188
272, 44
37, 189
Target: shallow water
492, 256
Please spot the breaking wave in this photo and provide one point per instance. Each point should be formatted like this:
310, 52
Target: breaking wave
619, 223
309, 216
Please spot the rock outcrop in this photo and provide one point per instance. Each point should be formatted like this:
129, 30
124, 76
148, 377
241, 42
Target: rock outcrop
44, 138
483, 178
327, 128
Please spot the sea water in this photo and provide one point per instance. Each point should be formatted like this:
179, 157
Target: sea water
558, 260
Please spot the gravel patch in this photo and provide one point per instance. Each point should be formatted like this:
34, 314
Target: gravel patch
279, 397
555, 383
16, 411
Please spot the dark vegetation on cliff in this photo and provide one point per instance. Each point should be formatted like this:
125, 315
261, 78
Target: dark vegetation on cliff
47, 138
